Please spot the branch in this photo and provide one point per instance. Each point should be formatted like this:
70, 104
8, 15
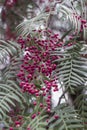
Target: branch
62, 96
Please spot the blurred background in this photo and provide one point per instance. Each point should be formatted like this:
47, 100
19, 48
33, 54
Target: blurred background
13, 12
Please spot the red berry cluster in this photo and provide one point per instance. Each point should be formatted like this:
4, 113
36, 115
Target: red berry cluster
37, 68
10, 3
82, 21
16, 119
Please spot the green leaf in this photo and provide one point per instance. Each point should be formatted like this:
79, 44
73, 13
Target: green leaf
68, 118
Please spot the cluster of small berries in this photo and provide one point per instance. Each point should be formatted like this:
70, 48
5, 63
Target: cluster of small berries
37, 67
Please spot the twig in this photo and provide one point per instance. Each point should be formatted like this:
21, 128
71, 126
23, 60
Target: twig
62, 96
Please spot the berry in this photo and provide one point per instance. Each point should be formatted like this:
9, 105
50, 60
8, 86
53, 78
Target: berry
11, 128
56, 116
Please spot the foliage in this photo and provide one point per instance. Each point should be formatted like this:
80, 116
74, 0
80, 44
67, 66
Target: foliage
38, 123
71, 68
28, 26
9, 89
40, 49
68, 119
73, 14
81, 104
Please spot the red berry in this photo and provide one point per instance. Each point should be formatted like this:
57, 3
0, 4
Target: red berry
47, 120
33, 116
28, 128
11, 128
35, 103
17, 123
41, 105
56, 116
48, 110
